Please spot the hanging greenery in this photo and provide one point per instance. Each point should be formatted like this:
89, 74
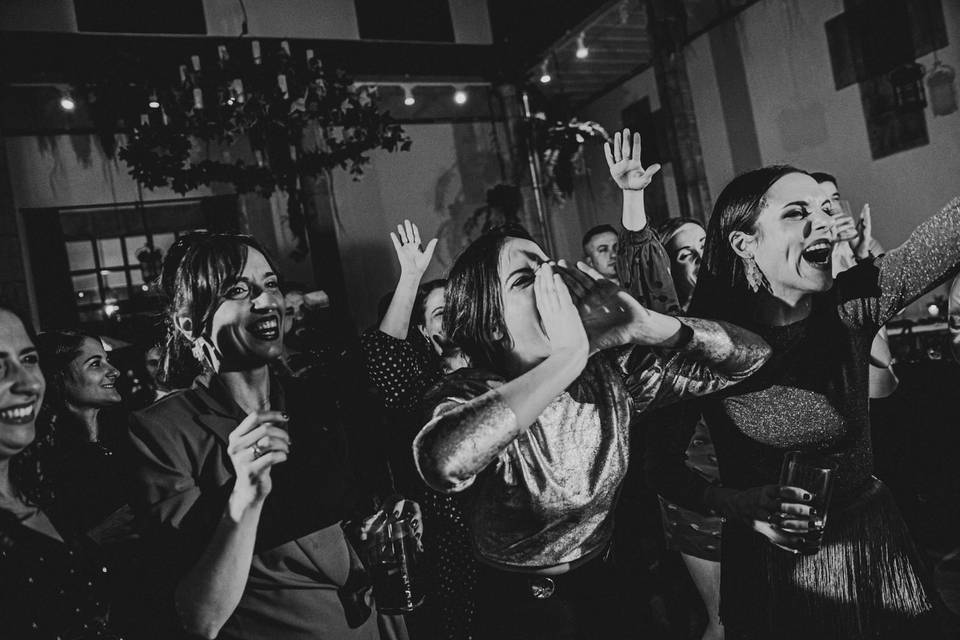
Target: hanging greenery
301, 120
561, 152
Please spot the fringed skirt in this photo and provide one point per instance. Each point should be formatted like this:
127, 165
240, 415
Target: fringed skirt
866, 581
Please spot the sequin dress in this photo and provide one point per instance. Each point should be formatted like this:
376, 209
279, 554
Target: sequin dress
866, 581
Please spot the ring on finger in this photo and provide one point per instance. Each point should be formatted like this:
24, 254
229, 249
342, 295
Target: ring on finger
257, 450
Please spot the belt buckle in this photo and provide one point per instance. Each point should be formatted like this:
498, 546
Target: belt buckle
542, 587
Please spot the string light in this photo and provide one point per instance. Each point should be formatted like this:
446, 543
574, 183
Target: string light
545, 77
408, 98
582, 50
460, 96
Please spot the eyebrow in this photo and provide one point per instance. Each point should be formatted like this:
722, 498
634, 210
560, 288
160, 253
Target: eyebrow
24, 351
93, 357
519, 271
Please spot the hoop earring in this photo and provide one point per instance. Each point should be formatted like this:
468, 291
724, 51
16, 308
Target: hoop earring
205, 353
756, 280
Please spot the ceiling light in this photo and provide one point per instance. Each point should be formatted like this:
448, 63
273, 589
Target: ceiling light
67, 103
460, 96
153, 103
408, 98
545, 77
582, 50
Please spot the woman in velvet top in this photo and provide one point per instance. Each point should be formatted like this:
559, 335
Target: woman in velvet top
536, 436
244, 479
767, 266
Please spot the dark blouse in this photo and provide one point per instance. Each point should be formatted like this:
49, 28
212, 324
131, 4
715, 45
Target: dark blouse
51, 589
301, 560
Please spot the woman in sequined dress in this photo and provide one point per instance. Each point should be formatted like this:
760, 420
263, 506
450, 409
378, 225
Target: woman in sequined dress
535, 437
52, 583
767, 266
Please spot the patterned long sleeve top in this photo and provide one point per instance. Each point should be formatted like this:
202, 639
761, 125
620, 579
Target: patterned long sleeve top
643, 267
546, 497
400, 372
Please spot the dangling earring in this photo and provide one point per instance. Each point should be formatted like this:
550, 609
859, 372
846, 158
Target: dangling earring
755, 278
205, 353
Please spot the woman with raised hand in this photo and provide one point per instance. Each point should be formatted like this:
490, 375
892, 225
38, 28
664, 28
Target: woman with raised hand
536, 436
52, 581
402, 363
767, 266
245, 479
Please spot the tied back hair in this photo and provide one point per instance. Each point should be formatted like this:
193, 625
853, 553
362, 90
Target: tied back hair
57, 350
196, 271
722, 292
473, 315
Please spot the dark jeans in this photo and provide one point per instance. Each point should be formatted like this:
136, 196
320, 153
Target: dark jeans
586, 604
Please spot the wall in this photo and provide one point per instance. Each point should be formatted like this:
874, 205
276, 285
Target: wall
790, 84
334, 19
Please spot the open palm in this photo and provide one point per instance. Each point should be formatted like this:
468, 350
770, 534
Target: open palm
623, 158
406, 242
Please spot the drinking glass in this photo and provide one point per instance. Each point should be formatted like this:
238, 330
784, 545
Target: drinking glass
395, 567
812, 472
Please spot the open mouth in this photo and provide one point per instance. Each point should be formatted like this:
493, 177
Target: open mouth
818, 254
21, 414
266, 329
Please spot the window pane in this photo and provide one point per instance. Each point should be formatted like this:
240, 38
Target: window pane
134, 244
117, 283
87, 289
80, 255
136, 277
111, 254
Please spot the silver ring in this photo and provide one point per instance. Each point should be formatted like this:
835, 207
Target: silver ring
257, 450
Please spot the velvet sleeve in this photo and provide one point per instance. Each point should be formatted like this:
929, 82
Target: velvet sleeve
644, 271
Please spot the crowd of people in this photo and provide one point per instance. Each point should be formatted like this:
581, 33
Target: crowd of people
492, 418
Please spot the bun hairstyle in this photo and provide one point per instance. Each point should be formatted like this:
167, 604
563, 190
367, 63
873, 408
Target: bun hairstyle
195, 272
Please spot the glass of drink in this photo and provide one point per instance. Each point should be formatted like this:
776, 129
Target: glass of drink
812, 472
394, 567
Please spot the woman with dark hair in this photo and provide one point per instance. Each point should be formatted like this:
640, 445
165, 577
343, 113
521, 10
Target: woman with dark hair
53, 584
767, 266
84, 456
248, 526
683, 239
402, 363
536, 436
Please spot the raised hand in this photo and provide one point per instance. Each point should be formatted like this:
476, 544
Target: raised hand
254, 447
611, 316
406, 242
623, 158
560, 318
862, 243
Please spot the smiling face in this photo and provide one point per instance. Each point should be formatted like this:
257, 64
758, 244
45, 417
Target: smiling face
21, 386
433, 315
246, 327
685, 249
792, 243
90, 380
519, 259
601, 253
833, 195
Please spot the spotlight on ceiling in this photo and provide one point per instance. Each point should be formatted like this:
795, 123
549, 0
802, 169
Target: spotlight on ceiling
460, 96
153, 103
545, 77
582, 50
408, 98
67, 103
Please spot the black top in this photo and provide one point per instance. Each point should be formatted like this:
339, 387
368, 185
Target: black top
51, 589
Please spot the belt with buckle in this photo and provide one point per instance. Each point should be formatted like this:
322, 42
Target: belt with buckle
591, 578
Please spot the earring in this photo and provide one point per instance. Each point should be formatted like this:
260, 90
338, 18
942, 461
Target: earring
755, 278
205, 353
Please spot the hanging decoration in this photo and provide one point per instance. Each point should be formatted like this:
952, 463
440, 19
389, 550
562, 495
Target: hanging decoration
942, 88
301, 120
561, 152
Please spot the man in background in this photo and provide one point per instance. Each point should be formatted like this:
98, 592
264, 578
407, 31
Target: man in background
600, 246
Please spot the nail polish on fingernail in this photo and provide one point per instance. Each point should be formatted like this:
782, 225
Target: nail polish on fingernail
285, 416
807, 497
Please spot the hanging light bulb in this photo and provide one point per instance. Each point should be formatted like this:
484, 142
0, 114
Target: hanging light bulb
582, 50
460, 96
408, 98
66, 102
545, 77
153, 103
